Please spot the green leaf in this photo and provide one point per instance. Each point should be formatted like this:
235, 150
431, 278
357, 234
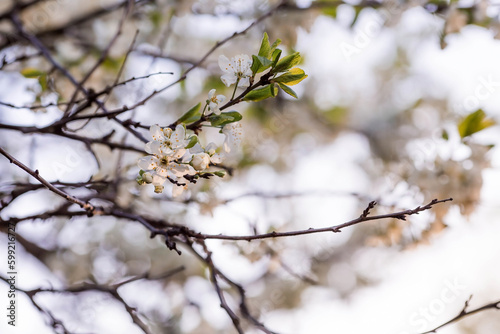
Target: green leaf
276, 56
192, 115
274, 46
225, 118
287, 63
288, 90
192, 141
473, 123
42, 80
31, 73
330, 11
266, 50
292, 77
265, 47
260, 64
113, 64
273, 90
220, 173
260, 93
336, 115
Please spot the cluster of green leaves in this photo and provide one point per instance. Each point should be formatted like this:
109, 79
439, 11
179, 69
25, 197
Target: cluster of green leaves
282, 72
195, 113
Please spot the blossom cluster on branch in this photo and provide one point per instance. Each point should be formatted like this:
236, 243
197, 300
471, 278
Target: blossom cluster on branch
176, 152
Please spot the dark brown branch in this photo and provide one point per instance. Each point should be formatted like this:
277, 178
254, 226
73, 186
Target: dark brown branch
106, 90
464, 313
162, 56
102, 57
4, 63
45, 52
220, 293
202, 59
214, 273
91, 210
86, 140
55, 323
176, 233
112, 290
336, 228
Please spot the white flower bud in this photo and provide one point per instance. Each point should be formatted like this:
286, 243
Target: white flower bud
147, 177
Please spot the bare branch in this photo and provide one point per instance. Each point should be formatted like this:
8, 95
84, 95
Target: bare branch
464, 313
112, 290
91, 210
336, 228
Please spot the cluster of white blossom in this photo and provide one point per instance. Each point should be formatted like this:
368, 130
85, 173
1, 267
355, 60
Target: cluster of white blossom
173, 156
181, 159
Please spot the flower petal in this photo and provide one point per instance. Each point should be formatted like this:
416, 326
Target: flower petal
244, 82
224, 64
196, 149
177, 154
220, 99
178, 137
162, 171
233, 132
148, 163
210, 148
217, 158
158, 180
153, 147
179, 170
228, 79
156, 132
178, 190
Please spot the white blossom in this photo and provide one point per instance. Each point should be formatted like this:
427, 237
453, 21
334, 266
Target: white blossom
169, 159
166, 149
215, 154
238, 69
233, 133
214, 101
200, 161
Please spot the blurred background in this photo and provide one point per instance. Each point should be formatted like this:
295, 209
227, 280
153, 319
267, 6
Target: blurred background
399, 106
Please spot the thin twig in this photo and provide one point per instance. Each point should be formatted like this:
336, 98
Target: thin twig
336, 228
464, 313
91, 210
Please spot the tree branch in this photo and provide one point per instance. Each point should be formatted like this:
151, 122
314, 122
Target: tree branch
91, 210
401, 215
464, 313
